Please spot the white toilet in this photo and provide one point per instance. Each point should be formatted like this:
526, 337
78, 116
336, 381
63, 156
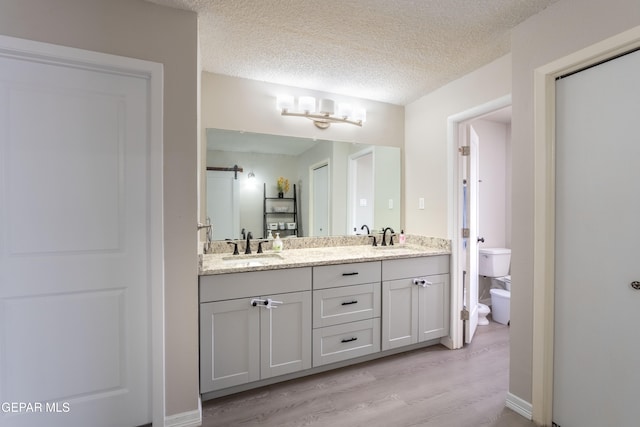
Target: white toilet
494, 263
483, 311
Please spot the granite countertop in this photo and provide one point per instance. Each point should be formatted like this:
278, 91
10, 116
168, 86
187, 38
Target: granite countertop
221, 263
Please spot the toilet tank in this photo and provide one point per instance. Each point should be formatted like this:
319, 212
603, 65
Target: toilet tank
494, 262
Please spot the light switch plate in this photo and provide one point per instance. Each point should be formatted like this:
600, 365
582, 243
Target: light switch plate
421, 203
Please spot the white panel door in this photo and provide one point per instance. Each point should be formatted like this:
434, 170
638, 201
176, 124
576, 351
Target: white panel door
320, 200
361, 191
597, 256
223, 204
74, 246
470, 244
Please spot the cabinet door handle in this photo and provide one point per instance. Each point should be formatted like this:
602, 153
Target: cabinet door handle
355, 273
269, 303
350, 302
349, 339
422, 282
255, 301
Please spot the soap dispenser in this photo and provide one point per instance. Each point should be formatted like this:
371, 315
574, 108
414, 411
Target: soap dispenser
277, 243
402, 239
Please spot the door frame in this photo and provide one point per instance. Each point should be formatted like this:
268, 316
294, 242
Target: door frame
312, 168
544, 208
154, 74
471, 171
456, 338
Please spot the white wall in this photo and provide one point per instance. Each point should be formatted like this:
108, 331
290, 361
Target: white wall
493, 197
426, 157
240, 104
556, 32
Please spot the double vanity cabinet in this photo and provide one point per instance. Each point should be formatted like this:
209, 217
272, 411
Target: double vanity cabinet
259, 325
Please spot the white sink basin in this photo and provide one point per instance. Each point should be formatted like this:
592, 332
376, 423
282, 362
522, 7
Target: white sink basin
250, 260
397, 248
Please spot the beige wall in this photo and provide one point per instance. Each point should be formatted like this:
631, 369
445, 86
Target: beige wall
426, 152
138, 29
558, 31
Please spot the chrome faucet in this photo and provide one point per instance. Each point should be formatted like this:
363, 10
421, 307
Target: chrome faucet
247, 249
384, 236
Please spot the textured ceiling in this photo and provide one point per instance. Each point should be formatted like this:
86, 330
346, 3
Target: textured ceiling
384, 50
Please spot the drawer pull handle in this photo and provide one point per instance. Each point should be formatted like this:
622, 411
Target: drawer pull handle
350, 302
355, 273
349, 339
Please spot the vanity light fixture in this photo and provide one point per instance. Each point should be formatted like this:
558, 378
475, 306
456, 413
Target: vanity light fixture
323, 113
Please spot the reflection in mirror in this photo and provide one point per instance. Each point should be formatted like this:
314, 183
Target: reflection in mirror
339, 186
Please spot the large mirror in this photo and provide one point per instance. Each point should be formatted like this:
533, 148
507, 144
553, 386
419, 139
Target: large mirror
334, 188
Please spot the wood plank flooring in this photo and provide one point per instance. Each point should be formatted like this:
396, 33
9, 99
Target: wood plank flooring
432, 387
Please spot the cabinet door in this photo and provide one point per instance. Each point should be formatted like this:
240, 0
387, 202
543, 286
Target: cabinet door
399, 313
286, 334
434, 308
229, 344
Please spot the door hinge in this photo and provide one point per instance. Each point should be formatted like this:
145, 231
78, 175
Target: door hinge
465, 151
464, 314
465, 232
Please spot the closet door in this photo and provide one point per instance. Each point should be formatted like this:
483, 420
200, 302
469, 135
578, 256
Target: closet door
597, 311
76, 235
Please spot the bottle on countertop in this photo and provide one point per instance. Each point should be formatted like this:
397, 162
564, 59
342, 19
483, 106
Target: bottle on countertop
277, 243
402, 239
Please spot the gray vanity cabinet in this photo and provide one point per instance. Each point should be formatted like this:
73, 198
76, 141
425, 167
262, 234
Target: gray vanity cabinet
346, 319
415, 300
245, 336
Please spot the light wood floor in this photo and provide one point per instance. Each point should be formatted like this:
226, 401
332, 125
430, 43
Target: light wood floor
433, 387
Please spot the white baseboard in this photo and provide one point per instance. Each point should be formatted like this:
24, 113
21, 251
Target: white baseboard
185, 419
520, 406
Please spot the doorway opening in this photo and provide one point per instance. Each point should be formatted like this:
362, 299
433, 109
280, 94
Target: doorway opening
319, 221
492, 122
361, 190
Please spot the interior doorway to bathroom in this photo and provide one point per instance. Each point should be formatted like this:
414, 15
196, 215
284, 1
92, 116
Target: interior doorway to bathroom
481, 203
319, 189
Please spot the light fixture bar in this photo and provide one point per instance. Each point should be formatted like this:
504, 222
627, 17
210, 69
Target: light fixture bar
325, 116
322, 121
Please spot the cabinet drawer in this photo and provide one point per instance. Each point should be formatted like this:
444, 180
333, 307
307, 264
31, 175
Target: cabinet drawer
346, 304
220, 287
341, 342
412, 267
332, 276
